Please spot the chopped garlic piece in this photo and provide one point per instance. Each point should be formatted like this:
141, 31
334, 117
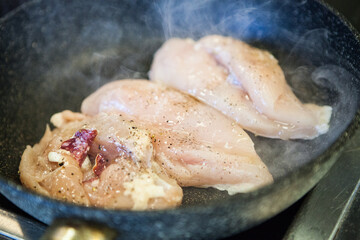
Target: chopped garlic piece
57, 119
142, 189
86, 164
56, 157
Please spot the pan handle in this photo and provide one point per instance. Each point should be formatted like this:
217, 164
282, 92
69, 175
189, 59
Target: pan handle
77, 229
18, 227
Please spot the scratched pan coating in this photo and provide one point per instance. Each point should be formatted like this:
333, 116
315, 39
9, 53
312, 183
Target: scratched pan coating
55, 53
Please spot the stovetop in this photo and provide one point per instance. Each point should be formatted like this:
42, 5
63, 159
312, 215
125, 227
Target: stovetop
330, 211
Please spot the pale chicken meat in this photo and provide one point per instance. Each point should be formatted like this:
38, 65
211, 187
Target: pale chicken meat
195, 144
104, 161
243, 82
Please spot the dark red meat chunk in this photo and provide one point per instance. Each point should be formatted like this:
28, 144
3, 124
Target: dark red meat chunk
79, 145
100, 164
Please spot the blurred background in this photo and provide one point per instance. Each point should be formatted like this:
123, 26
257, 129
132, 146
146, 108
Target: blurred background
349, 8
290, 224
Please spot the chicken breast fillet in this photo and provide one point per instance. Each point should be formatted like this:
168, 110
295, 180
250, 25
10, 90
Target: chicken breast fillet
195, 144
103, 161
241, 81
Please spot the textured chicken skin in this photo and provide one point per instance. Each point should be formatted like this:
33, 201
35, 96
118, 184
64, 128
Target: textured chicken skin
113, 169
195, 144
243, 82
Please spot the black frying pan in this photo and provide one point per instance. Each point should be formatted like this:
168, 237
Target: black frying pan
54, 53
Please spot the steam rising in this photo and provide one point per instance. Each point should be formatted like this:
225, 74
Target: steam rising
322, 85
75, 48
307, 59
303, 58
198, 18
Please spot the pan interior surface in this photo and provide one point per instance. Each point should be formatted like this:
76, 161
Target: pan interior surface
55, 53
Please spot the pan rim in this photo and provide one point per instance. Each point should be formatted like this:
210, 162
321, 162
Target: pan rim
337, 146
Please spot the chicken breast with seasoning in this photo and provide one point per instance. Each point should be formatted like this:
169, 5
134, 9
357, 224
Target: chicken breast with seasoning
241, 81
194, 143
103, 161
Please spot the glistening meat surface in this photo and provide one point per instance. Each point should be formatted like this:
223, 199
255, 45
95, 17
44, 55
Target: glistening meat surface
104, 161
243, 82
195, 144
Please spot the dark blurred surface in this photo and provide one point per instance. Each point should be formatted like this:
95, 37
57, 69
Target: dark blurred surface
276, 227
8, 5
350, 9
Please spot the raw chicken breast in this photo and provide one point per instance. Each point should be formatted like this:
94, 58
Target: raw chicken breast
104, 161
197, 145
243, 82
